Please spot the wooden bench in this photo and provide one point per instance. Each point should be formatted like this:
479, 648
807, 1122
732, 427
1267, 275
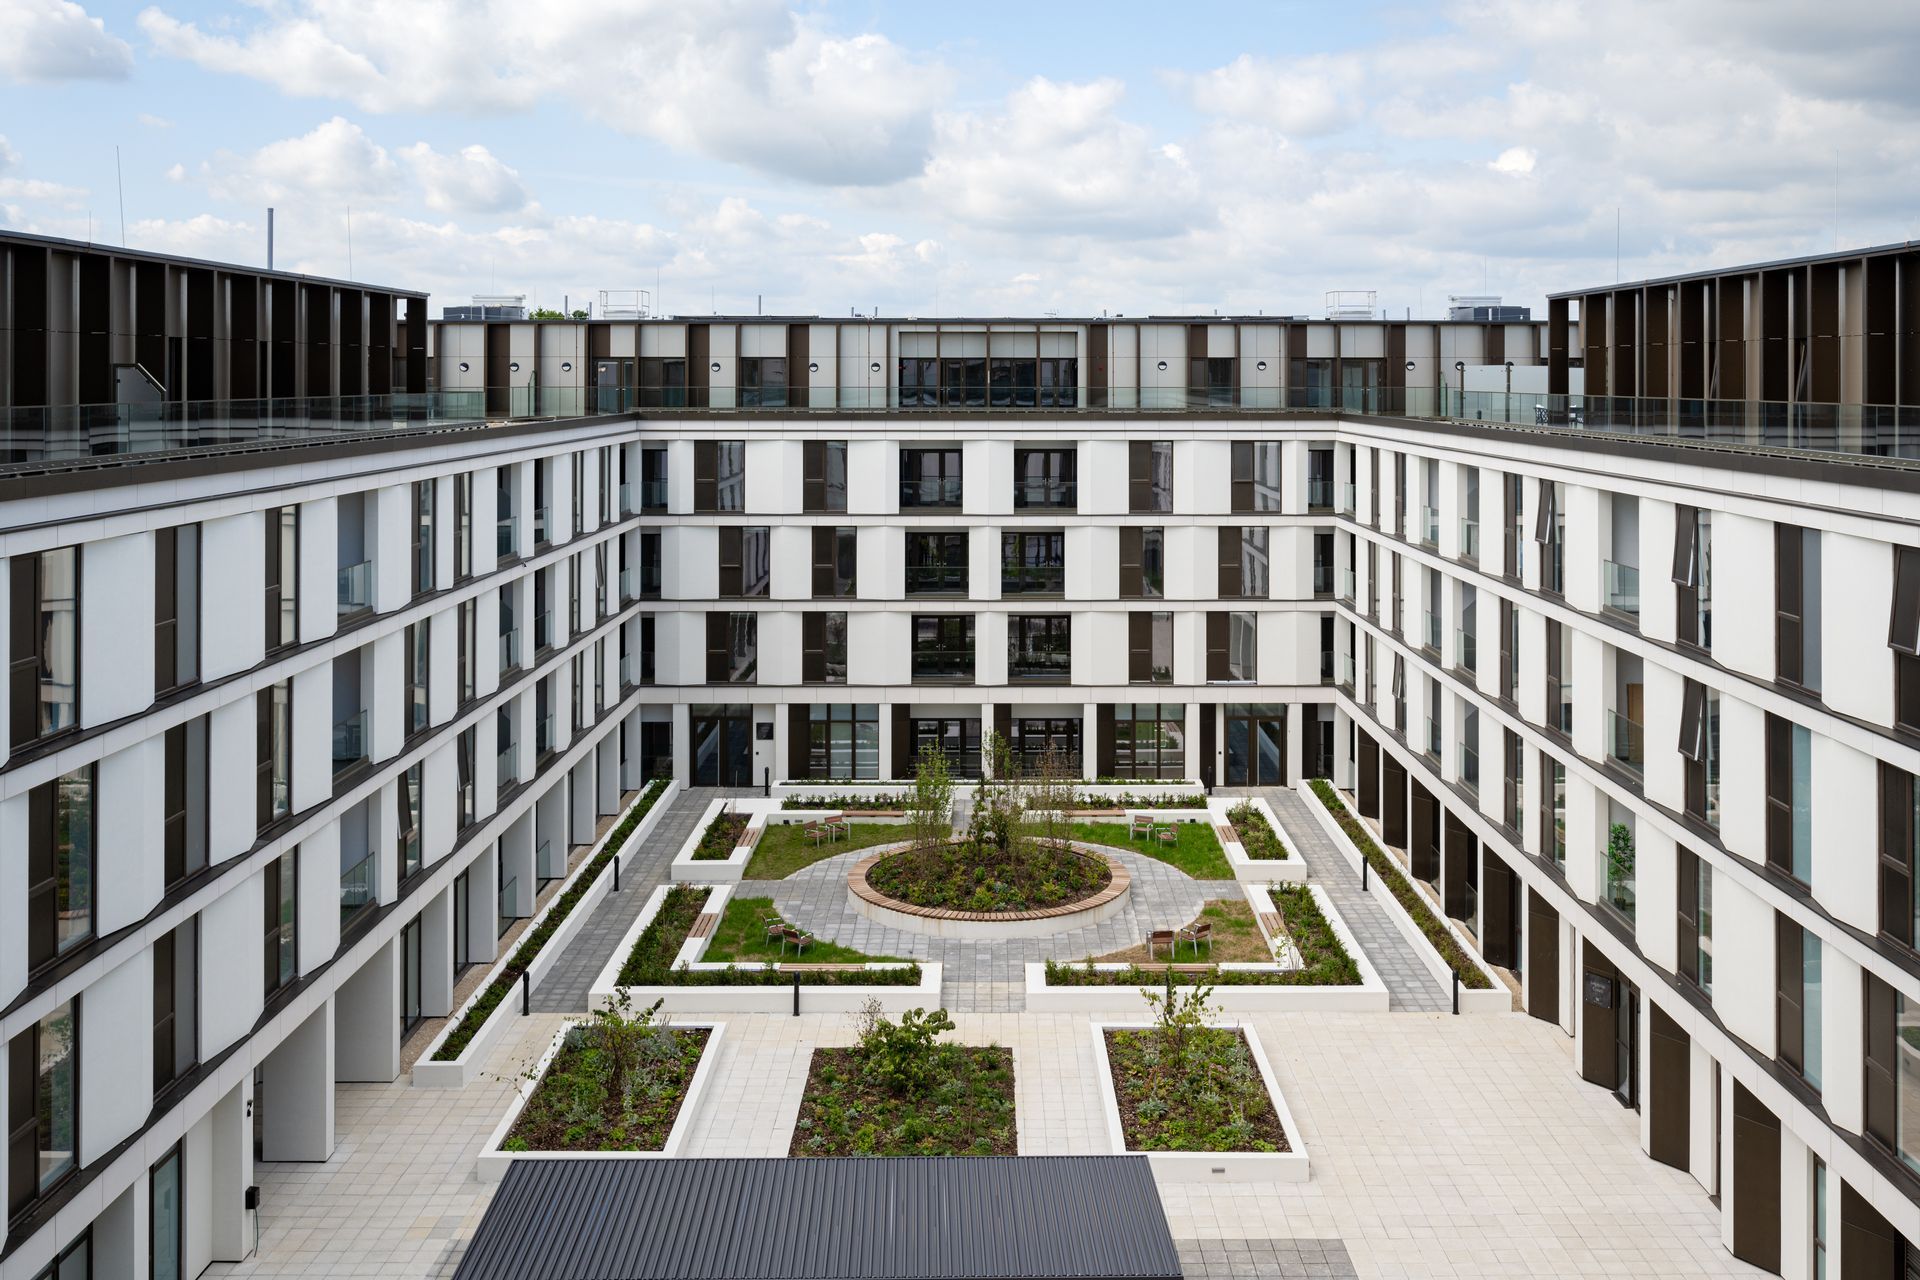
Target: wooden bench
750, 837
703, 925
1272, 923
1160, 966
819, 968
1226, 834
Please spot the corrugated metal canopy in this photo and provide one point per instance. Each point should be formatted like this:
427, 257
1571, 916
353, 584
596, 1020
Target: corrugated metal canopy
953, 1218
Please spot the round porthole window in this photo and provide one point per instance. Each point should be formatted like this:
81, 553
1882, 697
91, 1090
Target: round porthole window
566, 366
874, 367
1162, 366
1261, 366
514, 367
813, 366
715, 366
465, 367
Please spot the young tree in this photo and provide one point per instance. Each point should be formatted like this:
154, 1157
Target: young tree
999, 810
930, 809
1051, 793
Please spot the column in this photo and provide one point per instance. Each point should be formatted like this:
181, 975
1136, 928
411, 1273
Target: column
296, 1092
366, 1019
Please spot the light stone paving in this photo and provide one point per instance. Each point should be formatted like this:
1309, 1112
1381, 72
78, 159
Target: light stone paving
1441, 1146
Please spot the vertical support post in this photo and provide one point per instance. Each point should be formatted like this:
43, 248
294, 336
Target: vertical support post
1456, 993
1364, 864
526, 992
796, 995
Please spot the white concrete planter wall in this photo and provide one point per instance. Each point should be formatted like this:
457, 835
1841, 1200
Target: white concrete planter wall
1207, 1166
461, 1071
894, 999
901, 789
1494, 999
1369, 995
491, 1164
728, 870
1291, 869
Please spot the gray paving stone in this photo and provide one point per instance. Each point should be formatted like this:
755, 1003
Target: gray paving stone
1282, 1259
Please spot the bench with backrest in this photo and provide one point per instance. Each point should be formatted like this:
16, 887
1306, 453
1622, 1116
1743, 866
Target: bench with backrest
819, 968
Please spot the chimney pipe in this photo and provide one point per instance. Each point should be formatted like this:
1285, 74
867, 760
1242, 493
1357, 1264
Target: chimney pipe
269, 238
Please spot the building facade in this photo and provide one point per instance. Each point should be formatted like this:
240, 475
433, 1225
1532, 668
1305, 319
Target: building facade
394, 676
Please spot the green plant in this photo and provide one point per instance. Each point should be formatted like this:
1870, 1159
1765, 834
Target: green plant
1255, 833
721, 836
1050, 796
650, 962
742, 935
503, 982
616, 1084
1195, 849
1323, 961
1183, 1085
900, 1056
1430, 925
999, 812
930, 807
964, 876
1620, 853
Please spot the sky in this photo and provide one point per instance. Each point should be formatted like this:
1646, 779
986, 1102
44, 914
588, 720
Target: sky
967, 159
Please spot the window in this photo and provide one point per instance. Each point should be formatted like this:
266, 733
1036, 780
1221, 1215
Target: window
943, 647
1059, 382
1211, 381
1256, 475
648, 647
74, 1263
1516, 486
60, 866
274, 753
543, 501
1040, 648
763, 382
1032, 740
1143, 560
649, 564
919, 381
1230, 646
1243, 562
1796, 586
1045, 478
409, 793
1797, 966
843, 740
1150, 648
955, 737
1011, 382
1892, 1072
936, 563
1399, 690
185, 801
1512, 760
719, 476
1033, 563
1700, 751
1150, 740
280, 894
600, 611
1553, 810
653, 478
1319, 478
506, 528
44, 668
577, 474
824, 487
468, 644
176, 1003
733, 648
744, 559
43, 1099
176, 607
544, 729
930, 478
1820, 1219
835, 558
1790, 799
283, 577
166, 1228
507, 758
1149, 476
660, 383
1899, 845
613, 485
463, 526
823, 646
421, 553
576, 611
1559, 690
1323, 562
1696, 919
1903, 637
1509, 651
1549, 531
419, 664
577, 686
464, 749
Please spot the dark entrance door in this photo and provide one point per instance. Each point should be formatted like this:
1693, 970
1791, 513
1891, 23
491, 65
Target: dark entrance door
1543, 958
1669, 1089
1256, 745
1756, 1181
722, 746
410, 976
656, 750
1500, 913
1626, 1043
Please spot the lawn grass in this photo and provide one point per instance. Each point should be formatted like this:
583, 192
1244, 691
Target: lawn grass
742, 935
1236, 936
1198, 852
784, 848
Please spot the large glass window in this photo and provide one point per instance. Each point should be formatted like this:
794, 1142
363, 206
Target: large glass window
930, 478
1150, 740
44, 664
763, 382
1789, 798
1035, 739
1906, 1092
1231, 646
823, 648
1040, 648
825, 483
176, 1003
956, 737
943, 647
843, 740
409, 794
1150, 475
42, 1106
60, 866
418, 664
1143, 561
719, 475
836, 560
422, 550
1033, 563
164, 1222
1256, 475
1045, 478
176, 606
733, 648
280, 896
1059, 382
936, 563
274, 743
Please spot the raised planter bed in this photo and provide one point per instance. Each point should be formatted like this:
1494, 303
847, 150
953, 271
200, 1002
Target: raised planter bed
491, 1164
1289, 1165
948, 922
1247, 869
966, 1106
727, 870
707, 987
479, 1021
1238, 986
1480, 990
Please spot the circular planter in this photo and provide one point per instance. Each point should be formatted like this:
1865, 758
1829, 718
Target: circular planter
946, 922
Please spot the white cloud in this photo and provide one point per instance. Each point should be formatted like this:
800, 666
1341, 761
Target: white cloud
153, 121
1514, 160
472, 180
49, 40
1304, 97
740, 80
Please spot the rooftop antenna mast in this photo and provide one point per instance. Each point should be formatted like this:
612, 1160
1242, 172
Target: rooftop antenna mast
269, 237
120, 184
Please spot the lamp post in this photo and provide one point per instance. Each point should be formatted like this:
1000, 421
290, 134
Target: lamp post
1403, 395
1509, 402
1460, 368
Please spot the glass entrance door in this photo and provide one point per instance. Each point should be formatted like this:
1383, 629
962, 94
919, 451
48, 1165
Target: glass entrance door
462, 950
164, 1232
1257, 746
409, 977
1626, 1012
722, 746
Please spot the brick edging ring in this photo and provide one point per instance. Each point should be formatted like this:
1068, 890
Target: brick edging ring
868, 901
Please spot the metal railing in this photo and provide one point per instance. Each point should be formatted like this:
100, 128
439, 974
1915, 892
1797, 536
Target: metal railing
349, 742
942, 492
936, 579
1620, 892
1045, 494
359, 886
1033, 579
356, 588
943, 666
1622, 587
1626, 742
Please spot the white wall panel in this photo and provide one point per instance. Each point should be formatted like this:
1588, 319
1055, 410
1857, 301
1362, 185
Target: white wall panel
116, 602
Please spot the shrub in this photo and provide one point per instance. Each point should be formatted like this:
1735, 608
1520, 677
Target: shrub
616, 1084
1323, 961
901, 1056
1430, 925
963, 876
721, 835
651, 959
503, 982
1182, 1085
930, 807
1256, 834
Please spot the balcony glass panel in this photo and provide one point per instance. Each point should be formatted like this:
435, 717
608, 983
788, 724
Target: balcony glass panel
359, 886
1622, 587
349, 742
506, 537
1626, 742
356, 588
1470, 539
